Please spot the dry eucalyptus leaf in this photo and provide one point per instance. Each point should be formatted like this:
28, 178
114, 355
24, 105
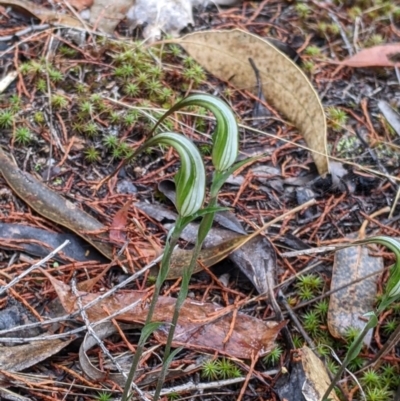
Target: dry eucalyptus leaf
20, 357
348, 305
200, 325
308, 378
387, 55
317, 378
43, 14
106, 15
226, 54
53, 206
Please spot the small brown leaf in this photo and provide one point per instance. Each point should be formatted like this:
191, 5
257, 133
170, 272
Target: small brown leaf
81, 4
378, 56
20, 357
106, 15
119, 224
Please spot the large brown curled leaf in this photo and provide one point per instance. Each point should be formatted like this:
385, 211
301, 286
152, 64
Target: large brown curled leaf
226, 54
53, 206
200, 326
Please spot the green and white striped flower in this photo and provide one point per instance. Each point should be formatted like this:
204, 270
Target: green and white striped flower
226, 134
190, 180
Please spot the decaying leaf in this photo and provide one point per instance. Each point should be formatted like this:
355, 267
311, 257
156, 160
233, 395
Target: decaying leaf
40, 242
42, 13
53, 206
308, 379
348, 305
119, 224
106, 15
20, 357
378, 56
226, 54
200, 326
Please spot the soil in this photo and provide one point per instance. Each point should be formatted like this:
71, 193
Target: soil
67, 143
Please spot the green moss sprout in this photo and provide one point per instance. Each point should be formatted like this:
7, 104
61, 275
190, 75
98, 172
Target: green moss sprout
22, 136
104, 396
6, 118
274, 356
59, 101
92, 155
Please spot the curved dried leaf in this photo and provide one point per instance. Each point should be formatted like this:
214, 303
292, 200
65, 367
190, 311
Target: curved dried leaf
225, 54
20, 357
200, 325
378, 56
42, 13
53, 206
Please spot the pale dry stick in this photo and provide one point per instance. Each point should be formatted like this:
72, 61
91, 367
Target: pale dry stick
342, 34
89, 328
25, 31
350, 163
310, 251
33, 267
357, 23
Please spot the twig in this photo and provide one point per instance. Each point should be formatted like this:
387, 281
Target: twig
87, 306
33, 267
296, 321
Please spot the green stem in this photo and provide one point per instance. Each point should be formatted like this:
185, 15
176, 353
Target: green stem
164, 268
204, 228
352, 353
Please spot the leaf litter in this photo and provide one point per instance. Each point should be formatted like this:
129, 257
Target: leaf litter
202, 326
327, 218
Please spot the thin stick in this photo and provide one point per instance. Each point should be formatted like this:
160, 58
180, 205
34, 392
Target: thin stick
33, 267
